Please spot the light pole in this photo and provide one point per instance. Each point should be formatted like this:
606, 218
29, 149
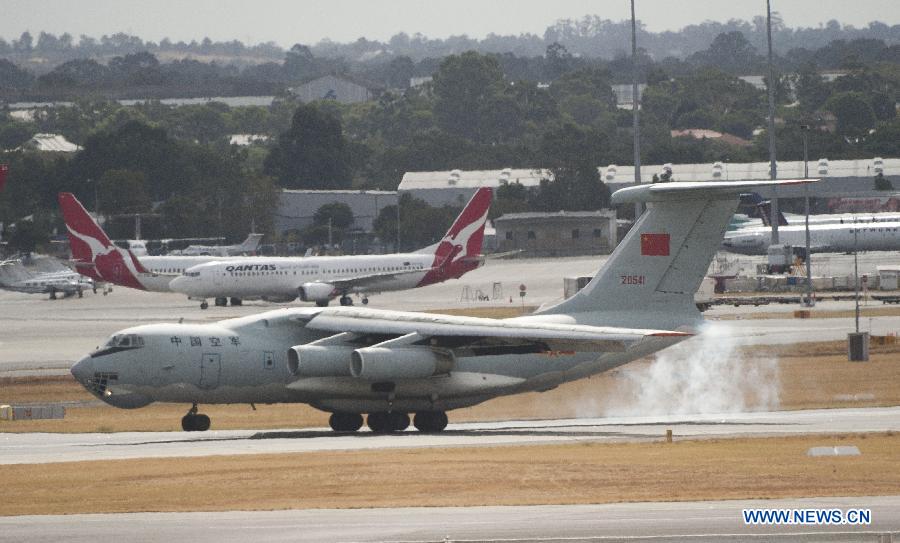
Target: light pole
804, 128
773, 165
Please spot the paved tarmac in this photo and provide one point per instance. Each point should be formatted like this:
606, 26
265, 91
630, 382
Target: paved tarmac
34, 448
38, 335
657, 522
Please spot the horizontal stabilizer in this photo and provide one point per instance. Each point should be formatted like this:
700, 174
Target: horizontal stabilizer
693, 190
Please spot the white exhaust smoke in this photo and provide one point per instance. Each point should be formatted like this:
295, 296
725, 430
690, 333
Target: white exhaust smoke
704, 375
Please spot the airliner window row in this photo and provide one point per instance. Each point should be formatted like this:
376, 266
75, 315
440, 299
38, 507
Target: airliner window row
407, 267
873, 230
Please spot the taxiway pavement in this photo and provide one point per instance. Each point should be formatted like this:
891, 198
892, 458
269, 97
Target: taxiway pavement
35, 448
654, 521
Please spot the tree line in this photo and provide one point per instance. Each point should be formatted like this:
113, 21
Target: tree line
176, 161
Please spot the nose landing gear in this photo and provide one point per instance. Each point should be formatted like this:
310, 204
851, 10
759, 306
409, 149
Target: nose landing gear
194, 422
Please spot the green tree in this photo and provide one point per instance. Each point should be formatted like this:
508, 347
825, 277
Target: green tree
28, 235
464, 85
853, 112
312, 154
572, 155
123, 191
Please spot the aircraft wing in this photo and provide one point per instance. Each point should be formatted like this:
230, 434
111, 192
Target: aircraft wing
457, 332
368, 280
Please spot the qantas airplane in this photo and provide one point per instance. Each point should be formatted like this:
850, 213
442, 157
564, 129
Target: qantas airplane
97, 257
321, 278
352, 361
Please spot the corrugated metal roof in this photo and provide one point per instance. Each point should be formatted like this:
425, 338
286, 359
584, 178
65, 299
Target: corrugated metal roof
472, 178
52, 143
328, 192
718, 171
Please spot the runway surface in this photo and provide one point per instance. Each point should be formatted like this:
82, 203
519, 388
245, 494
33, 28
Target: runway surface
658, 522
31, 448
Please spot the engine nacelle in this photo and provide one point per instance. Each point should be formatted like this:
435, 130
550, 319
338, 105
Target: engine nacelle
319, 360
393, 363
316, 292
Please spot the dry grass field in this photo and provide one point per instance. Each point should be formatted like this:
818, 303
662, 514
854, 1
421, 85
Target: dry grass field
814, 375
519, 475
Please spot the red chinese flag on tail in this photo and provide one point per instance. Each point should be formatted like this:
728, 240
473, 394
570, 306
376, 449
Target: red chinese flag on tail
3, 169
655, 244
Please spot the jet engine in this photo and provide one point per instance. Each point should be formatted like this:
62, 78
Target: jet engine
392, 363
319, 360
316, 292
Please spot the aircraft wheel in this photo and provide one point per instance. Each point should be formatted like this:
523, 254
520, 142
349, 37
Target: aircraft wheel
346, 300
430, 421
322, 303
195, 423
221, 302
399, 421
345, 422
365, 301
380, 423
236, 301
204, 305
201, 423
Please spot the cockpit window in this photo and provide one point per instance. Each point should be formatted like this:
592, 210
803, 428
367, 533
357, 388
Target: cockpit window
120, 342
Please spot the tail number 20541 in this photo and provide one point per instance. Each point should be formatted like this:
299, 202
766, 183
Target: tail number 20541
633, 279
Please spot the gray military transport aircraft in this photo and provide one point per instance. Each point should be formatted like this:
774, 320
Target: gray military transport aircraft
388, 364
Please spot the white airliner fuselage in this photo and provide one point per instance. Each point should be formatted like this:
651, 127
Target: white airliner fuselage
280, 277
828, 237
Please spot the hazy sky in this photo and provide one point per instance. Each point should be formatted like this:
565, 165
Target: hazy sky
293, 21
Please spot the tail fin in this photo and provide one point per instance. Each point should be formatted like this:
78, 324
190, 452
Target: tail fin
94, 253
459, 251
762, 209
651, 277
250, 244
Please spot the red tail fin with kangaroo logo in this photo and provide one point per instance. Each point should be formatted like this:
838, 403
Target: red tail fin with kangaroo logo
459, 251
94, 253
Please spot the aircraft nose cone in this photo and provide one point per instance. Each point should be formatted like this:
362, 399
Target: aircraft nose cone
83, 370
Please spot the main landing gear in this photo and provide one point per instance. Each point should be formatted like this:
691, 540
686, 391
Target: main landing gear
386, 423
194, 422
222, 302
347, 300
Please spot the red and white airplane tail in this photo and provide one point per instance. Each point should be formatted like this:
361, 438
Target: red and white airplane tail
459, 251
93, 252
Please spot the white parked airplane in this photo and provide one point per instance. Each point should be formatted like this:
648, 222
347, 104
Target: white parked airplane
321, 278
350, 361
246, 247
825, 237
66, 283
